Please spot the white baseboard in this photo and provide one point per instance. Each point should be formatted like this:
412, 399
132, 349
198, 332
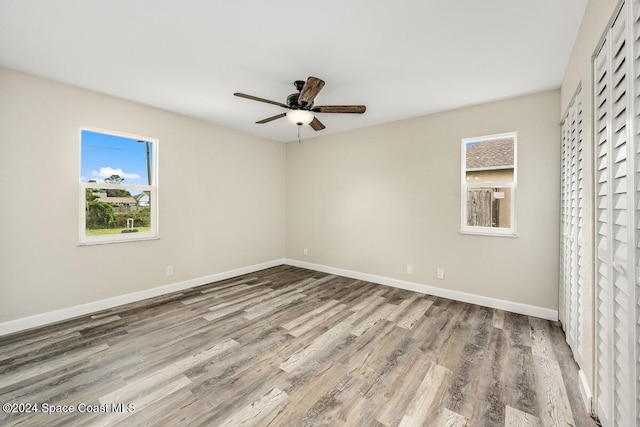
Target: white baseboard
585, 392
514, 307
37, 320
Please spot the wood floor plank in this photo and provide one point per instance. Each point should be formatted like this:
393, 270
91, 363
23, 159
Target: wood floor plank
232, 306
381, 313
570, 368
317, 321
416, 311
492, 384
554, 406
172, 410
142, 401
317, 398
516, 418
465, 379
255, 412
321, 343
428, 398
448, 418
310, 315
273, 304
36, 344
497, 320
36, 369
289, 346
175, 369
402, 388
520, 379
387, 362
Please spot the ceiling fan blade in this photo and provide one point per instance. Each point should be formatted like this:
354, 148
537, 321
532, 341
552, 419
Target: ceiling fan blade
348, 109
268, 119
255, 98
316, 124
310, 90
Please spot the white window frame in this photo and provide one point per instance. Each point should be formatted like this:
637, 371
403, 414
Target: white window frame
153, 233
465, 186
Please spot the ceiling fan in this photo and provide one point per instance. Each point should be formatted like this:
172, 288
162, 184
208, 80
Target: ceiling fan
301, 105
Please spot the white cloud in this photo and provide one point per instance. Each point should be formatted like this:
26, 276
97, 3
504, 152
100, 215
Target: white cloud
106, 172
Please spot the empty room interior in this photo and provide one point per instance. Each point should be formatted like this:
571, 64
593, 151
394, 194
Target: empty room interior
337, 213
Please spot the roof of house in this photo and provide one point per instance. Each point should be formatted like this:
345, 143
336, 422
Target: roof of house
490, 154
141, 196
118, 200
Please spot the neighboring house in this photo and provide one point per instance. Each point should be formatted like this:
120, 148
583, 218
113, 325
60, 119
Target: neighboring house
489, 162
120, 204
142, 199
494, 154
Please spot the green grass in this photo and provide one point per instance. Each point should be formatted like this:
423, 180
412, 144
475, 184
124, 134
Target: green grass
103, 231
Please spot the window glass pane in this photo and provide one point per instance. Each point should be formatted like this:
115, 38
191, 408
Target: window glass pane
117, 211
490, 155
489, 207
115, 159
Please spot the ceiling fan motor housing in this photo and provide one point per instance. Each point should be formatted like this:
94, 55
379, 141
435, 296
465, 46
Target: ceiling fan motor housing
292, 102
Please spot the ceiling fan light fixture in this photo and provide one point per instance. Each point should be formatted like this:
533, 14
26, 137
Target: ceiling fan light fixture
300, 117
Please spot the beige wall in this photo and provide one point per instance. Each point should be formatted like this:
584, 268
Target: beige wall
579, 73
222, 199
376, 199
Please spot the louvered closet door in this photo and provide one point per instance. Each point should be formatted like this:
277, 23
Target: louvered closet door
602, 218
616, 335
564, 292
633, 265
583, 272
573, 275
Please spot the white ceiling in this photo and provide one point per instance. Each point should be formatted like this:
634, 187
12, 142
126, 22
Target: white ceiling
400, 58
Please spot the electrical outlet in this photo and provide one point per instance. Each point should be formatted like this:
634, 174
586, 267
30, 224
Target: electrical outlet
440, 273
306, 252
169, 270
409, 269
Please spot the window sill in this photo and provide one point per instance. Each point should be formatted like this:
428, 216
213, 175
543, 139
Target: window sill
489, 233
112, 241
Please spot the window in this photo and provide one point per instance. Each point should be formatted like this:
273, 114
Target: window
119, 189
489, 184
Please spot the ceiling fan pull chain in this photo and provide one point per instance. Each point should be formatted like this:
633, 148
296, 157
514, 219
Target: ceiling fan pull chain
299, 129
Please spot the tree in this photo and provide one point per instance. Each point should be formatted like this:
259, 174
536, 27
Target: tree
90, 196
99, 215
113, 192
114, 179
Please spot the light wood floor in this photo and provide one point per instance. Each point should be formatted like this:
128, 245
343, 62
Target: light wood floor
293, 347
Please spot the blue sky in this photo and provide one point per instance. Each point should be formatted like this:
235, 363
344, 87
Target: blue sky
105, 155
